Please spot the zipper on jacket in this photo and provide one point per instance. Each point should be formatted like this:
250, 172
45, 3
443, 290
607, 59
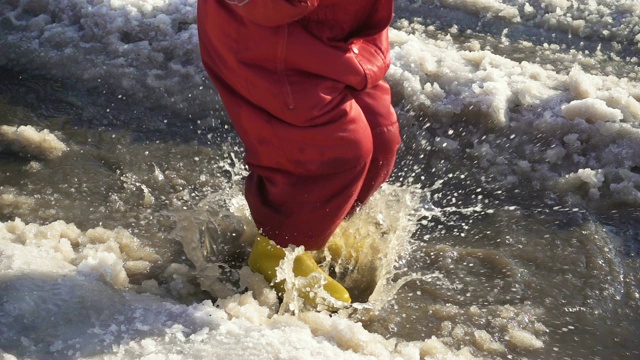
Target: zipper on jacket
284, 82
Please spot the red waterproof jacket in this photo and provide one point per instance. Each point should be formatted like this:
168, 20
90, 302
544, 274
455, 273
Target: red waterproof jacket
343, 40
302, 82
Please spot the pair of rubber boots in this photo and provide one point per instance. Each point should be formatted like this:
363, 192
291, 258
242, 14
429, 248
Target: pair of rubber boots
265, 258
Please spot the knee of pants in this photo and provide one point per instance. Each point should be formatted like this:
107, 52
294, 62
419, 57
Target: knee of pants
386, 141
350, 137
361, 146
343, 142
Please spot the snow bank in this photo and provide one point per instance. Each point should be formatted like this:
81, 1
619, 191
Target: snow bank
67, 293
145, 50
608, 20
525, 124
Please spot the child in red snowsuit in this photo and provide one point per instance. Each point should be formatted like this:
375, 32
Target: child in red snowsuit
303, 84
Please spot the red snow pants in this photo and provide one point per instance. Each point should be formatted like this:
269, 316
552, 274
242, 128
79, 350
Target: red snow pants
314, 113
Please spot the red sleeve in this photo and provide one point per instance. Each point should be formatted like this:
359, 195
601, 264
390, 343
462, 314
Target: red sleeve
273, 12
372, 53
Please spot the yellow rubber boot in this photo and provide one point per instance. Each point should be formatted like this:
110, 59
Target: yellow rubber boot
265, 257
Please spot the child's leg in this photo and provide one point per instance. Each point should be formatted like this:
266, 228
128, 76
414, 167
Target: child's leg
376, 106
305, 171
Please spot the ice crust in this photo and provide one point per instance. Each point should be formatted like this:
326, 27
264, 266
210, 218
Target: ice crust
28, 140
